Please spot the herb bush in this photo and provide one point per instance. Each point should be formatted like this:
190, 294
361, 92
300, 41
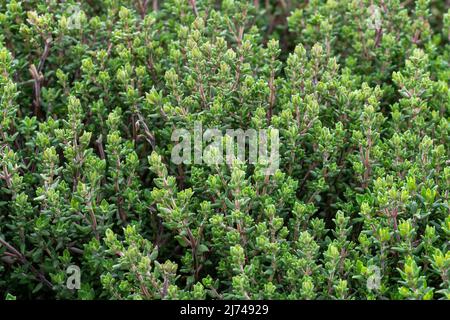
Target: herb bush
91, 91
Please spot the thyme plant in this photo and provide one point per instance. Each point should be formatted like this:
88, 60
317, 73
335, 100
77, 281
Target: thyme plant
91, 92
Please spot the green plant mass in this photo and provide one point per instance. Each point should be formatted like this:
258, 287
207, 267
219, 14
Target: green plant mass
96, 98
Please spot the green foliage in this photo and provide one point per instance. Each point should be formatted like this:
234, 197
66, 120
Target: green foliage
91, 91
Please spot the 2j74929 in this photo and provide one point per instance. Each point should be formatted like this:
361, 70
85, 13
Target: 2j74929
246, 309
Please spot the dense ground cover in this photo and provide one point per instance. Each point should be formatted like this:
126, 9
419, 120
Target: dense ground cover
91, 91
